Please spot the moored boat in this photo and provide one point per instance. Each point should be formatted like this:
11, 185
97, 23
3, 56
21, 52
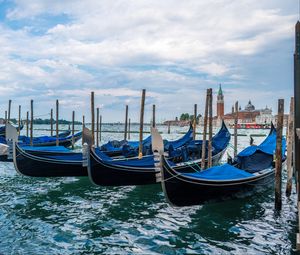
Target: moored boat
106, 171
253, 168
48, 161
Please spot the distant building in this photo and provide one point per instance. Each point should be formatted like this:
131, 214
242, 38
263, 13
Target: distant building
248, 115
176, 122
265, 116
220, 103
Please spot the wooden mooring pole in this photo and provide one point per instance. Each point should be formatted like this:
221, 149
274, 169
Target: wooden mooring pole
5, 117
83, 125
126, 123
210, 113
195, 122
203, 165
169, 127
289, 159
129, 128
93, 116
31, 122
100, 131
51, 122
97, 127
27, 123
297, 119
19, 131
153, 116
57, 109
9, 109
236, 118
142, 123
278, 155
73, 128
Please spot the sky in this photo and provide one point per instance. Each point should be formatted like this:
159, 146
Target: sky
53, 49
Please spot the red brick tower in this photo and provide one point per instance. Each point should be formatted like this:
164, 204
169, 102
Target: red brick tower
220, 103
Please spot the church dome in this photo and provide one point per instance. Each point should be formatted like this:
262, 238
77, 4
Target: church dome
249, 107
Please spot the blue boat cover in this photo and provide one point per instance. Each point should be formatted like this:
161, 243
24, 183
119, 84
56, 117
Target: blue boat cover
147, 161
194, 148
24, 140
181, 141
3, 140
223, 172
114, 146
221, 139
268, 146
117, 146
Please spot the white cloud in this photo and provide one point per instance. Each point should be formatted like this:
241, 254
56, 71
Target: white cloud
175, 49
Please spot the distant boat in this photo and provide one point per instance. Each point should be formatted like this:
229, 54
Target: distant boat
252, 168
251, 126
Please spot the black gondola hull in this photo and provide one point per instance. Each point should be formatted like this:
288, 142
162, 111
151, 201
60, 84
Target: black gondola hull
181, 191
37, 166
104, 174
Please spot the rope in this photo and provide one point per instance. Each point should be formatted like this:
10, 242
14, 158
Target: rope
191, 165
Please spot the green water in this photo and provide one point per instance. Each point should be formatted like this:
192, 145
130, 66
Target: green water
70, 216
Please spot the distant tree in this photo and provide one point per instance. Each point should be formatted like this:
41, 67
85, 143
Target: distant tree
184, 116
40, 121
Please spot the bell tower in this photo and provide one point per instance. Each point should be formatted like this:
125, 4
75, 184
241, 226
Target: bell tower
220, 103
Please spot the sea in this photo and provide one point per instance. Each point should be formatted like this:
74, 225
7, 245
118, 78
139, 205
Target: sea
73, 216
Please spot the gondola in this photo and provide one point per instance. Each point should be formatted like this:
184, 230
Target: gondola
253, 168
106, 171
48, 161
65, 139
50, 141
130, 148
39, 145
53, 161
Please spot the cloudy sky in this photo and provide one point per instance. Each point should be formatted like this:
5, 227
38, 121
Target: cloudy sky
53, 49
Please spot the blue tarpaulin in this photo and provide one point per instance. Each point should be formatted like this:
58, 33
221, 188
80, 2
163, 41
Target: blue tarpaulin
146, 161
223, 172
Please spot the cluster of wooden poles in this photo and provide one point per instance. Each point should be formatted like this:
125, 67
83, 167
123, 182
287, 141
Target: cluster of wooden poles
7, 119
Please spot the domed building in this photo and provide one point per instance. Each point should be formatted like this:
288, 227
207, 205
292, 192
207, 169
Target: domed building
265, 116
246, 115
249, 107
